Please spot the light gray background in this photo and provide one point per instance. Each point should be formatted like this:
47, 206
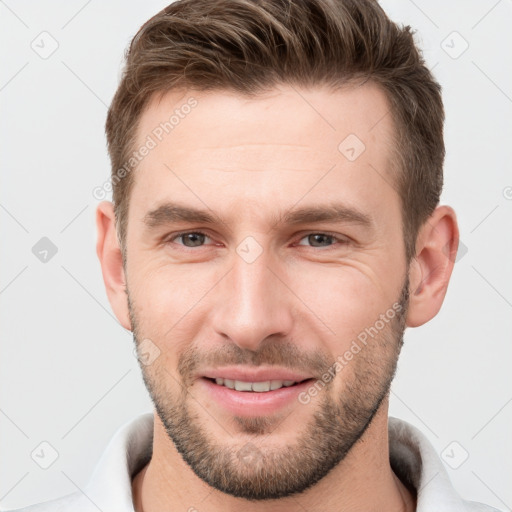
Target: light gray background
68, 374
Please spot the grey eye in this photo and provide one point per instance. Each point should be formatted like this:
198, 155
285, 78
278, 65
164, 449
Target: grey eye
318, 239
192, 239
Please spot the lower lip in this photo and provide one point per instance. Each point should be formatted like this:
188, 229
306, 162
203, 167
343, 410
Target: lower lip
252, 403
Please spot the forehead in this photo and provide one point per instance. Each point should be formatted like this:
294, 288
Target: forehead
223, 149
286, 112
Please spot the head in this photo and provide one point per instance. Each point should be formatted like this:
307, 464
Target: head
276, 172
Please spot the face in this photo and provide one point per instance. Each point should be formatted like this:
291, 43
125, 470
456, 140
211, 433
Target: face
265, 252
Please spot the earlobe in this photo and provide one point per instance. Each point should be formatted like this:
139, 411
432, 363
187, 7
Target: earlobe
430, 270
110, 256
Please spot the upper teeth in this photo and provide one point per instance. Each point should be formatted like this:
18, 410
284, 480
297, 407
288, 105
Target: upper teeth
268, 385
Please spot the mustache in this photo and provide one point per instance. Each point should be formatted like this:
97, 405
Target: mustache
271, 353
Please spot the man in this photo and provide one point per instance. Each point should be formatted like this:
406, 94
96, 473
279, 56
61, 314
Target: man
275, 227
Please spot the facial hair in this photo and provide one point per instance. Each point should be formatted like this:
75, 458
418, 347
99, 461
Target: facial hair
253, 470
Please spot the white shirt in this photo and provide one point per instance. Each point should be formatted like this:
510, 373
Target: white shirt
412, 458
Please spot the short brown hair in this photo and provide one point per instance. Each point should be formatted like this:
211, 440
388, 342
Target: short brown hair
248, 46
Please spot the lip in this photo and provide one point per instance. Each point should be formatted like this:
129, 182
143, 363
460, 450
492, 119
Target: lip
250, 403
255, 374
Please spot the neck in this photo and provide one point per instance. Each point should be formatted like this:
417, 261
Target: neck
364, 480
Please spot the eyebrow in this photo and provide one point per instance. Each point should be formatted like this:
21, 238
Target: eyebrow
168, 213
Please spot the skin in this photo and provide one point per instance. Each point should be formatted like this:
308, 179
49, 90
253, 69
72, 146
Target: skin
248, 160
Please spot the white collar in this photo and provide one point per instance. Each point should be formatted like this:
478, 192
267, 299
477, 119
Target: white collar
412, 457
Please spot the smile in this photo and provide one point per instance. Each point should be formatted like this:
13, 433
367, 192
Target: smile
259, 387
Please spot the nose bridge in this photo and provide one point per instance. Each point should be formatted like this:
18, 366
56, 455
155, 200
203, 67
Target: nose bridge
252, 303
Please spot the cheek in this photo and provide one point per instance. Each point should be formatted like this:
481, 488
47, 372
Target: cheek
168, 297
344, 298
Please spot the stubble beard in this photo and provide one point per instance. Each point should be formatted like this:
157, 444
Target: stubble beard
251, 469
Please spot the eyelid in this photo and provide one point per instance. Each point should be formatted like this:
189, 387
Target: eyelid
340, 239
336, 236
172, 236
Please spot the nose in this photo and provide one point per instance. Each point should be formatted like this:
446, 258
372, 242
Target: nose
253, 303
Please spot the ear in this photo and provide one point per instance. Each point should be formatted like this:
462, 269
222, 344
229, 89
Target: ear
111, 261
430, 270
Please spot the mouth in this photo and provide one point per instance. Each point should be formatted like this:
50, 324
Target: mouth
255, 397
255, 386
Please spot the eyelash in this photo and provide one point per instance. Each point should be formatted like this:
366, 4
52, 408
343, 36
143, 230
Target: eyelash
343, 241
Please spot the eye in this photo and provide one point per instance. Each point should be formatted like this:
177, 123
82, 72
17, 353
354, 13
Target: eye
190, 238
320, 239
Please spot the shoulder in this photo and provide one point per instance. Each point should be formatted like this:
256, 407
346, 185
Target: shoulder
109, 487
417, 463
